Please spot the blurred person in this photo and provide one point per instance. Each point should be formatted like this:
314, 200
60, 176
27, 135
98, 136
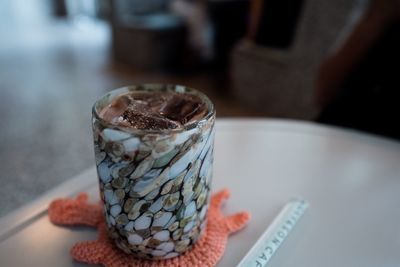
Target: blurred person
194, 12
358, 84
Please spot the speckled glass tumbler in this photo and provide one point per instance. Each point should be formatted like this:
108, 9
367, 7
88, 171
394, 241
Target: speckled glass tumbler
154, 184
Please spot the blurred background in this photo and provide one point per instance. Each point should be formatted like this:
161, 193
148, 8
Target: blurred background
260, 58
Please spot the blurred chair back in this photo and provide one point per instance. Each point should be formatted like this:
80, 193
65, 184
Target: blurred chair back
145, 35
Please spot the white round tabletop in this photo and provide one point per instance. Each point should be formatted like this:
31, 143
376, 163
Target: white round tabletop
350, 179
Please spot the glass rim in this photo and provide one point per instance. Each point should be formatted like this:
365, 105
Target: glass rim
156, 87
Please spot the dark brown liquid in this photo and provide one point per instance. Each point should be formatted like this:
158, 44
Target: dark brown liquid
154, 110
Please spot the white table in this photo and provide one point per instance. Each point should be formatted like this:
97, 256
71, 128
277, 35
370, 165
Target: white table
351, 180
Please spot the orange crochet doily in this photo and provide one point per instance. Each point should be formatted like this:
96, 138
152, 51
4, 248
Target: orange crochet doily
206, 252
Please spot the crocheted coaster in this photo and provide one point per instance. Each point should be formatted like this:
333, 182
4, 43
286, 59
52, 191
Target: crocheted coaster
206, 252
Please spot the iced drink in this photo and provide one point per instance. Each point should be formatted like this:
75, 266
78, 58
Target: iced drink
154, 155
